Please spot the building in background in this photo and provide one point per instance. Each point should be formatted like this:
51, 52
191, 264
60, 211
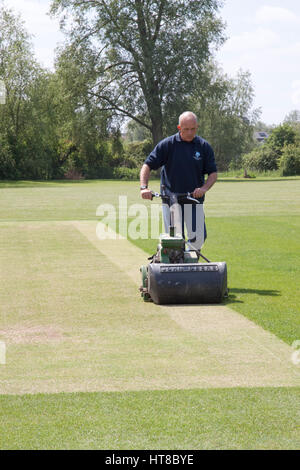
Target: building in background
260, 137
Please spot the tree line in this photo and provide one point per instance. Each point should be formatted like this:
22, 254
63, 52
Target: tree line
127, 66
280, 151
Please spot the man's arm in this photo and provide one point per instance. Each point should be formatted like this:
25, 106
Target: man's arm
144, 178
211, 179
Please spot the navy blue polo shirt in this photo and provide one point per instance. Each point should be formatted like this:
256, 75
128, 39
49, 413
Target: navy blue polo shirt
184, 164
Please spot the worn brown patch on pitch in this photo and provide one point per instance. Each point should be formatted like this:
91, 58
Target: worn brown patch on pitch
30, 335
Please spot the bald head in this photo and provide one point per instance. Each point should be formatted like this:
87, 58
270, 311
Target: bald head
187, 126
187, 115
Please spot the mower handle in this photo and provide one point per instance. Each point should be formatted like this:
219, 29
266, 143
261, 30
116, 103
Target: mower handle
177, 196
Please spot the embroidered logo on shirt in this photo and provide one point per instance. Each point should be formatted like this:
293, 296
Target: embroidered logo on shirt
197, 156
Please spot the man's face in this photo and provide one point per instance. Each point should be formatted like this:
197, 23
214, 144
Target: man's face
188, 129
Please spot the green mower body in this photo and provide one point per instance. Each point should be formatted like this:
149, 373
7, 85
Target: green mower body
175, 275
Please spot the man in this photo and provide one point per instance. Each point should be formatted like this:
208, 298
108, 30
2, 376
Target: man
185, 158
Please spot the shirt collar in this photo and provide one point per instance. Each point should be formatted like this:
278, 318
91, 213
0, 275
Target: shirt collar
179, 139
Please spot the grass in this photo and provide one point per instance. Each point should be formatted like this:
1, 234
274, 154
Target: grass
254, 226
44, 266
263, 268
258, 418
77, 323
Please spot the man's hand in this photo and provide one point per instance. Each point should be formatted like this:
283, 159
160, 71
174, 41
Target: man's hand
211, 179
198, 193
146, 193
144, 178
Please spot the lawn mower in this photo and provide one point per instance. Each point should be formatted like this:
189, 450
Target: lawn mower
174, 274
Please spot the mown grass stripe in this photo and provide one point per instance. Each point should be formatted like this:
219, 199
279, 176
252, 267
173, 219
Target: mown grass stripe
235, 418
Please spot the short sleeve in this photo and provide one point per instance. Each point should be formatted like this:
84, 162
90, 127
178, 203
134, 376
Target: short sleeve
159, 156
209, 160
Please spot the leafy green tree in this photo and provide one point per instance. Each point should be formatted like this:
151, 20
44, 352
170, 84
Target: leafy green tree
224, 107
280, 136
18, 70
84, 127
290, 160
136, 132
261, 159
45, 131
261, 126
137, 58
292, 116
28, 117
293, 120
281, 149
7, 162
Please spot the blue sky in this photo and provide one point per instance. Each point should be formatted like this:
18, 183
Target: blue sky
263, 37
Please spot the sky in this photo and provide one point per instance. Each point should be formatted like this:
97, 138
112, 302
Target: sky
263, 38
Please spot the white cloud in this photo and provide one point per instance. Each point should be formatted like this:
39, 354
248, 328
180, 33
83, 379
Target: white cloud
35, 15
260, 38
270, 14
264, 39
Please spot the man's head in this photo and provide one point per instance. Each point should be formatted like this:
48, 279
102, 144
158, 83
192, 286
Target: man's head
187, 126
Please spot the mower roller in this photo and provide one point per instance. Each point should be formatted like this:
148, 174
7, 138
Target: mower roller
175, 275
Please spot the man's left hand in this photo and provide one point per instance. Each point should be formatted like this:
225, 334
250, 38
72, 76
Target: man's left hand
198, 193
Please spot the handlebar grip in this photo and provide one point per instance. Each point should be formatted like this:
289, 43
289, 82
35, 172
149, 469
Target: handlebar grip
178, 195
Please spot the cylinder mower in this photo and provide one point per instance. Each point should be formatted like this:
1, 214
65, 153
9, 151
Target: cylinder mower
174, 274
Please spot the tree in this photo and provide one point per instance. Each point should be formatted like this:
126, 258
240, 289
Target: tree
136, 132
293, 119
292, 116
18, 70
290, 160
226, 117
261, 126
82, 125
261, 159
280, 136
33, 116
280, 150
136, 58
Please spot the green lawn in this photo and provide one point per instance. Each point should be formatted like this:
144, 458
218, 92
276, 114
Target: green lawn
253, 225
262, 256
257, 418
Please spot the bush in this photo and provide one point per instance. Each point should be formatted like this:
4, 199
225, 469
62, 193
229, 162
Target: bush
290, 161
8, 168
138, 151
98, 161
73, 174
280, 136
235, 164
262, 159
127, 174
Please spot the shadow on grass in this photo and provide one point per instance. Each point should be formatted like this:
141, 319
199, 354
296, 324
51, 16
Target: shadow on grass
232, 297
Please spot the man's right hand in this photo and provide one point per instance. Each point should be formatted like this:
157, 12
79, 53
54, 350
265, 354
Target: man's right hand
146, 193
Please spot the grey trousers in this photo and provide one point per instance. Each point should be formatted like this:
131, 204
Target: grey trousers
189, 216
